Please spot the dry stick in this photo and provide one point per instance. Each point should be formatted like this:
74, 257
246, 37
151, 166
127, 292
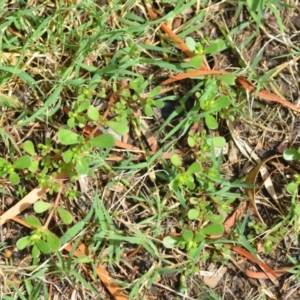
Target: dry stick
54, 206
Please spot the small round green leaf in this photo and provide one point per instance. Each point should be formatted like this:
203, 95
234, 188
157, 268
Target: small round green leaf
52, 240
193, 214
158, 103
117, 127
41, 206
83, 106
218, 142
23, 162
211, 122
213, 229
175, 160
291, 154
67, 137
215, 47
82, 166
23, 242
29, 148
171, 241
67, 156
191, 44
65, 216
34, 166
191, 142
194, 168
227, 78
216, 219
196, 61
190, 184
14, 178
292, 187
105, 140
187, 235
43, 246
220, 103
155, 92
33, 221
199, 237
148, 110
3, 162
93, 113
35, 251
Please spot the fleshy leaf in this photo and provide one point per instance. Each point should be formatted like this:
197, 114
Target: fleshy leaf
23, 242
148, 110
67, 156
213, 229
93, 113
23, 162
29, 148
117, 127
188, 235
82, 166
171, 241
43, 246
33, 221
105, 140
193, 214
14, 178
65, 216
194, 168
52, 240
175, 160
211, 122
35, 251
41, 206
67, 137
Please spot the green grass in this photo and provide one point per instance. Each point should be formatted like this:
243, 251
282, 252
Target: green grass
146, 217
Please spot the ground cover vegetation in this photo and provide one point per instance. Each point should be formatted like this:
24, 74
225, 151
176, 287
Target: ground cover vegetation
149, 150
